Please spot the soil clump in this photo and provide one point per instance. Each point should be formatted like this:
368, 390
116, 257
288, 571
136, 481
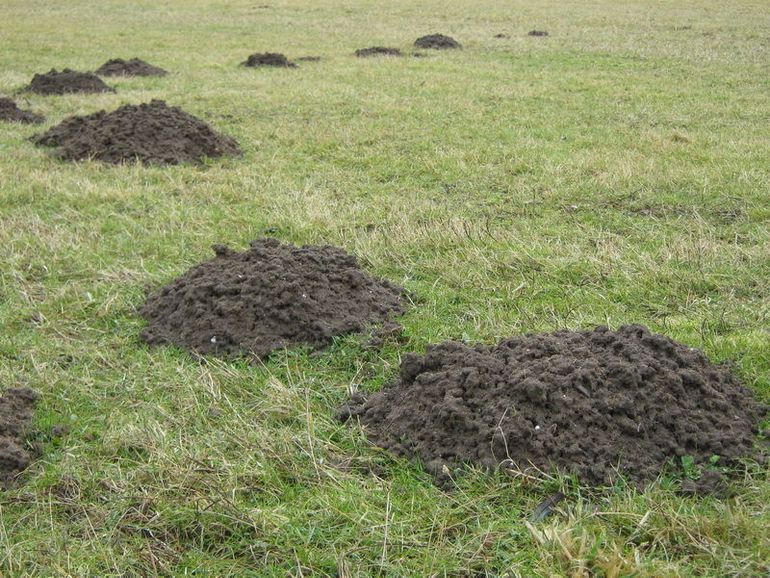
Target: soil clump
9, 112
273, 59
17, 408
67, 82
153, 134
377, 51
133, 67
537, 33
437, 42
594, 404
271, 296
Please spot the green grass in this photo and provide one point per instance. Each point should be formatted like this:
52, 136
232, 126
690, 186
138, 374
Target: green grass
614, 172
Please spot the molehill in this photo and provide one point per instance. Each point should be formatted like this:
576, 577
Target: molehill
11, 113
67, 82
133, 67
377, 51
17, 406
590, 403
274, 59
437, 42
268, 297
154, 134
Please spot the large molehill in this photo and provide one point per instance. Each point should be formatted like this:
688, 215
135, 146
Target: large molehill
596, 404
271, 296
67, 82
153, 134
132, 67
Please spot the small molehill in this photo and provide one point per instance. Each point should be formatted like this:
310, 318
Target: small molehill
274, 59
437, 42
153, 134
377, 51
17, 408
268, 297
11, 113
595, 404
537, 33
133, 67
67, 82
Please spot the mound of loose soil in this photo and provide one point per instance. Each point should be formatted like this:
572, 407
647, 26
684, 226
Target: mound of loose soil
437, 42
17, 407
589, 403
153, 133
269, 297
377, 51
537, 33
133, 67
12, 113
269, 59
67, 82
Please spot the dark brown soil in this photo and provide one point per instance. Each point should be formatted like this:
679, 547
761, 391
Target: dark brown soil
268, 297
309, 59
377, 51
437, 42
133, 67
588, 403
17, 408
67, 82
11, 113
502, 35
154, 134
269, 59
710, 482
537, 33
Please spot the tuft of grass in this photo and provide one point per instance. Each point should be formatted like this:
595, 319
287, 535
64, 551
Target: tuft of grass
613, 172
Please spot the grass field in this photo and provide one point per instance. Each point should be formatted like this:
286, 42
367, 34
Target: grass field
616, 171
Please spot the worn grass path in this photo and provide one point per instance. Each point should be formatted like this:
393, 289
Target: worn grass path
616, 171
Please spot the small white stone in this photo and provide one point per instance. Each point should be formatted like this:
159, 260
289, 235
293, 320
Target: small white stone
214, 339
537, 427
